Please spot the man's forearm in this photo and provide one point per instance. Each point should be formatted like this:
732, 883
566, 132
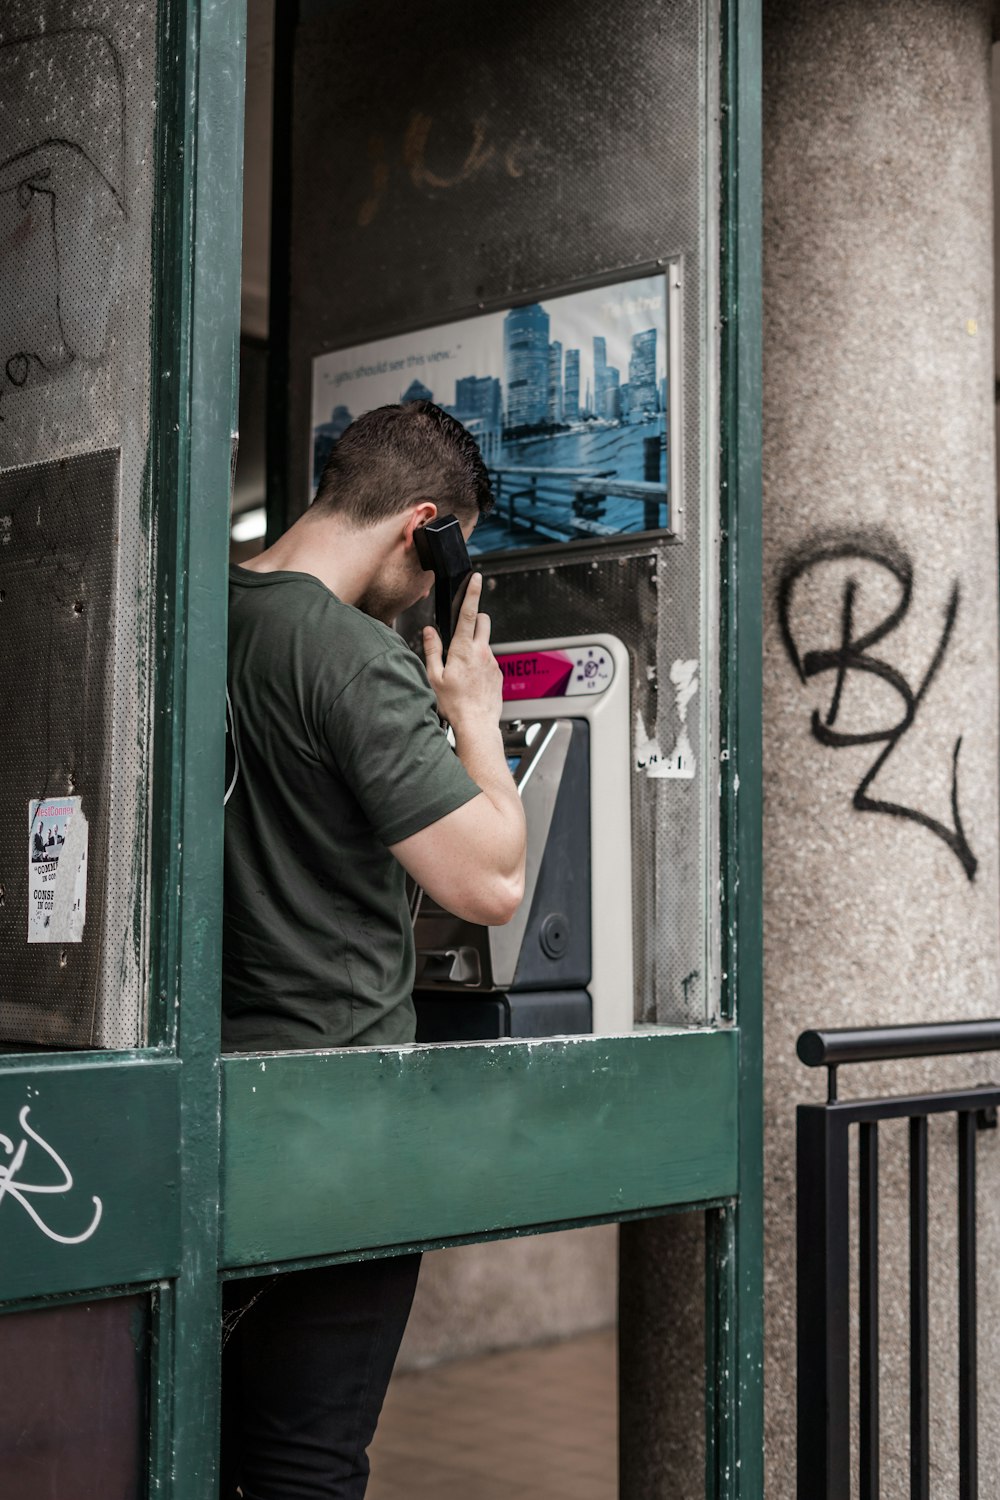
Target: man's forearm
481, 751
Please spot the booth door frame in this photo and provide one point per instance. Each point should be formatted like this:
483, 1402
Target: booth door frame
171, 1152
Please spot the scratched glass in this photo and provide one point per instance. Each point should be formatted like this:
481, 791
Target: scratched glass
77, 127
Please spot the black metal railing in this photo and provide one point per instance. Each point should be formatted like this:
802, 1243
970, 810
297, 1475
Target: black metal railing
823, 1253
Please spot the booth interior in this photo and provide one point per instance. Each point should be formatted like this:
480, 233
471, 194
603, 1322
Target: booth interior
490, 212
509, 212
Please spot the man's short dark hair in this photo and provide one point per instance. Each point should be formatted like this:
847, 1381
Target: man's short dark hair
395, 456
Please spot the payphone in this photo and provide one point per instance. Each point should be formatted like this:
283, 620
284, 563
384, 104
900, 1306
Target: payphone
563, 964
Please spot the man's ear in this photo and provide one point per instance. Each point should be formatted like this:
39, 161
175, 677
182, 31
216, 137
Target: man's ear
418, 515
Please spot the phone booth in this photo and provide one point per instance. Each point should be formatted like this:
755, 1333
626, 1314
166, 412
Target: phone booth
546, 219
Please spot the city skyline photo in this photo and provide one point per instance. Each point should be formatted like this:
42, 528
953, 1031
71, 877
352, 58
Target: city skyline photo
567, 397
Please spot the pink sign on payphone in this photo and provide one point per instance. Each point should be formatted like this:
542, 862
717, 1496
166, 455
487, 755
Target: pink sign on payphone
555, 674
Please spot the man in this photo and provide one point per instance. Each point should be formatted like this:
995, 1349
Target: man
343, 782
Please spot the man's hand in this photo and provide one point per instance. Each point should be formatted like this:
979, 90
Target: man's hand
469, 687
472, 860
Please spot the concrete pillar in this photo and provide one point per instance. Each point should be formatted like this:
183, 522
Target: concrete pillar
879, 488
879, 511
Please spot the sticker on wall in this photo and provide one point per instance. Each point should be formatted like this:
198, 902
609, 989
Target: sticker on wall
57, 870
679, 763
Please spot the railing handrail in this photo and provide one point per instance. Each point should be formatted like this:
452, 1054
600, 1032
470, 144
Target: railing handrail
856, 1044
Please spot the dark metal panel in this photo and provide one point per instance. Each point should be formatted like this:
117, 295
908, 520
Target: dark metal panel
73, 1392
348, 1150
57, 620
456, 154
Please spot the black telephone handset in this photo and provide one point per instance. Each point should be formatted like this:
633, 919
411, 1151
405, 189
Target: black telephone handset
441, 549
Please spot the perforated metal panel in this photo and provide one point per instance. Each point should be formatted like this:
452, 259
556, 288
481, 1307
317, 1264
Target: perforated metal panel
77, 102
459, 155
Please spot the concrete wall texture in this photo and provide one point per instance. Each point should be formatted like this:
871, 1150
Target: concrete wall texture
879, 487
481, 1298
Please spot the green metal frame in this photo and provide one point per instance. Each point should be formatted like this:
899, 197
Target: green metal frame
735, 1234
450, 1144
198, 280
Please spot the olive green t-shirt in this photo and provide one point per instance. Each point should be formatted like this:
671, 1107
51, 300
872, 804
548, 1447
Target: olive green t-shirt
339, 753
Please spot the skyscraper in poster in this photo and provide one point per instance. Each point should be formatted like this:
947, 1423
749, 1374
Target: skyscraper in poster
479, 397
600, 373
571, 387
417, 391
642, 372
555, 382
526, 365
607, 403
612, 395
326, 437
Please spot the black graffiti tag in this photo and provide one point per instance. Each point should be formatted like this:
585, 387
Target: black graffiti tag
852, 654
62, 201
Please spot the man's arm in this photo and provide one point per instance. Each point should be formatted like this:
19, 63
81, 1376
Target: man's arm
471, 861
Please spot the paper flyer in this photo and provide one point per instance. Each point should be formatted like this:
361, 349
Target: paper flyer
57, 870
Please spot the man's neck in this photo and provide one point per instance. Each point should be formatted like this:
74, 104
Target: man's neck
344, 558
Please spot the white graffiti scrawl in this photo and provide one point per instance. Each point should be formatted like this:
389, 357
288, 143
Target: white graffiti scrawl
13, 1186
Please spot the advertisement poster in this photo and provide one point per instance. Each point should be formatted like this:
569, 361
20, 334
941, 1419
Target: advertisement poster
567, 397
57, 871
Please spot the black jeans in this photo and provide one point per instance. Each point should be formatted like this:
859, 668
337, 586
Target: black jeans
306, 1361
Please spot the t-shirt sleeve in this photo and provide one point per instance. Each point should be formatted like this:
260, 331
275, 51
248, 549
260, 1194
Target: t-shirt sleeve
386, 738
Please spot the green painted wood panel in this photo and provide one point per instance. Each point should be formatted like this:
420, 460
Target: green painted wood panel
337, 1151
89, 1176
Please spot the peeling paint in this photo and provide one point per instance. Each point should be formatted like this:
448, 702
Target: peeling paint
679, 764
